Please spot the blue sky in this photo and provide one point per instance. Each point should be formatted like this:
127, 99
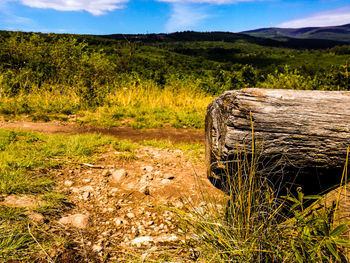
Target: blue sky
155, 16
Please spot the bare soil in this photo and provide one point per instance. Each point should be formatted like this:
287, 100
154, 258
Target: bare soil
166, 133
130, 203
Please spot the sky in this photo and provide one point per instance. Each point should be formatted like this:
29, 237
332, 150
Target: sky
166, 16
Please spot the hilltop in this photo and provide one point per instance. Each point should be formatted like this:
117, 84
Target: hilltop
331, 33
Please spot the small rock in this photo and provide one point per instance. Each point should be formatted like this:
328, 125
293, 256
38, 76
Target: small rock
86, 181
36, 217
165, 181
147, 168
74, 190
166, 238
87, 188
97, 248
86, 195
130, 215
106, 173
106, 233
140, 240
117, 176
145, 190
77, 220
21, 201
119, 221
169, 177
68, 183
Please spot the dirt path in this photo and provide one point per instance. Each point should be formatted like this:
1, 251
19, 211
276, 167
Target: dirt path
121, 207
168, 133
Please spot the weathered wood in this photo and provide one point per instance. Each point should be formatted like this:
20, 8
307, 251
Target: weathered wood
310, 130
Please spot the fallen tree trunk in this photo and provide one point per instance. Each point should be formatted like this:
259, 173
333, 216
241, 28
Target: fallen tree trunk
308, 130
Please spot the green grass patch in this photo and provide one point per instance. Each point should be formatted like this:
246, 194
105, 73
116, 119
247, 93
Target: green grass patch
25, 155
27, 160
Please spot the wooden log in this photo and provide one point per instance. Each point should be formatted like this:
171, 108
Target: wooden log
309, 130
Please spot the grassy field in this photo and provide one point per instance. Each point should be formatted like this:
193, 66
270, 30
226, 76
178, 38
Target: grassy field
144, 106
151, 84
249, 229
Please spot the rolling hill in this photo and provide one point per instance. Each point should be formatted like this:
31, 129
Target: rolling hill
330, 33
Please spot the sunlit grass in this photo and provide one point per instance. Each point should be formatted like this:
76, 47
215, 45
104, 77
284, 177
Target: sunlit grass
143, 106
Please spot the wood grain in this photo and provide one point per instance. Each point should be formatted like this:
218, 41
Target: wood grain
309, 130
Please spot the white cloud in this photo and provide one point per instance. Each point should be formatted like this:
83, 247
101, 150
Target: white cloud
217, 2
184, 17
95, 7
333, 17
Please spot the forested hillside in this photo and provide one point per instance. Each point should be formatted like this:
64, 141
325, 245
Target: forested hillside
92, 70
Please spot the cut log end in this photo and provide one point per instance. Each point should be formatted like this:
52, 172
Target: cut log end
306, 132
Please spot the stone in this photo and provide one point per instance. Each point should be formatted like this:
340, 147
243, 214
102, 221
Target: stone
23, 201
145, 190
117, 176
74, 190
36, 217
106, 173
141, 240
165, 181
147, 168
77, 220
97, 248
166, 238
86, 180
119, 221
68, 183
86, 195
130, 215
87, 188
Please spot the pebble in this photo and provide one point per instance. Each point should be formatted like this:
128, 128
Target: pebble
106, 173
87, 188
141, 240
147, 168
117, 176
36, 217
68, 183
78, 220
165, 181
86, 195
130, 215
145, 190
119, 221
74, 190
97, 248
86, 181
21, 201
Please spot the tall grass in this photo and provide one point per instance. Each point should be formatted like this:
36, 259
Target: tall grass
131, 104
254, 224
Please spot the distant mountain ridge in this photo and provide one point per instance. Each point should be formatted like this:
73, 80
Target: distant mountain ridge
332, 33
264, 37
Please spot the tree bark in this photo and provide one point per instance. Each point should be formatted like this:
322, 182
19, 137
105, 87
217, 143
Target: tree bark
308, 130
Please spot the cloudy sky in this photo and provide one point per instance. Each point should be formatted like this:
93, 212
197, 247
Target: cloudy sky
155, 16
